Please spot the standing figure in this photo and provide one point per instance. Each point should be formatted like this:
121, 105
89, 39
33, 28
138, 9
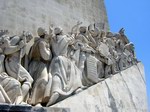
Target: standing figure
104, 54
40, 56
87, 60
94, 35
111, 43
128, 48
65, 74
122, 57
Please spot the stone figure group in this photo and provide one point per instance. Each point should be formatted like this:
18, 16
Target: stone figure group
59, 65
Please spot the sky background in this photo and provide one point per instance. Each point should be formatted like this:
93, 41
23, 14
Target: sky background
134, 16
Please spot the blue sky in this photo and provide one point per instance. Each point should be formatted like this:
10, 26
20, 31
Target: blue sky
134, 16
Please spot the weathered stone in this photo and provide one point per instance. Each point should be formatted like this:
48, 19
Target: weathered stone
65, 61
17, 15
141, 69
123, 92
21, 108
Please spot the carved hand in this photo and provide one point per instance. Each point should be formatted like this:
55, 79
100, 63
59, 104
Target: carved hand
51, 29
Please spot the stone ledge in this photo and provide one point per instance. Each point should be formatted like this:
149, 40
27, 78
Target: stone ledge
21, 108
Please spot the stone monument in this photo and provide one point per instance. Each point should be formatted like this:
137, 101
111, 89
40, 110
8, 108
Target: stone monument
59, 56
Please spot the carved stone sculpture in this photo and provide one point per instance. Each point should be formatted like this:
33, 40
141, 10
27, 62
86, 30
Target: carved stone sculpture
59, 65
10, 88
40, 56
65, 75
86, 58
14, 53
111, 43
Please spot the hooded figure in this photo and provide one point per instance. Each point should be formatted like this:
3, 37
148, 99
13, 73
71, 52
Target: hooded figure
65, 74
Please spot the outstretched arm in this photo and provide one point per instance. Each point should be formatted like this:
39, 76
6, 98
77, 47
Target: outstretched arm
11, 49
75, 28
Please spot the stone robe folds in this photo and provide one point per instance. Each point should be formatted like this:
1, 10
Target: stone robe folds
10, 88
38, 70
66, 76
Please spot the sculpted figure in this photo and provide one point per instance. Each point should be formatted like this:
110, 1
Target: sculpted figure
109, 40
10, 88
120, 50
123, 37
104, 54
129, 54
90, 74
95, 34
40, 56
111, 43
80, 43
14, 49
129, 51
65, 74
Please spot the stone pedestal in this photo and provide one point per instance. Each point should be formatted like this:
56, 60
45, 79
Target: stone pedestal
123, 92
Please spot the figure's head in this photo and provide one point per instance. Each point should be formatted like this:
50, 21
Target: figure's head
58, 30
109, 34
93, 30
41, 31
28, 36
103, 34
82, 29
4, 41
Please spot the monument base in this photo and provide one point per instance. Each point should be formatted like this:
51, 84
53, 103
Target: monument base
21, 108
123, 92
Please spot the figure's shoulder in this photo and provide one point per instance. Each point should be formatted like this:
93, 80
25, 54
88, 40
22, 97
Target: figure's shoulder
42, 43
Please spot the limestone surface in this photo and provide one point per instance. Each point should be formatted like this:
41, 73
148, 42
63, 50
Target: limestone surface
60, 62
19, 15
123, 92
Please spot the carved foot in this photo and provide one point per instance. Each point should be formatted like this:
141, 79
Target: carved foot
38, 105
78, 90
115, 72
53, 99
18, 100
24, 104
100, 79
